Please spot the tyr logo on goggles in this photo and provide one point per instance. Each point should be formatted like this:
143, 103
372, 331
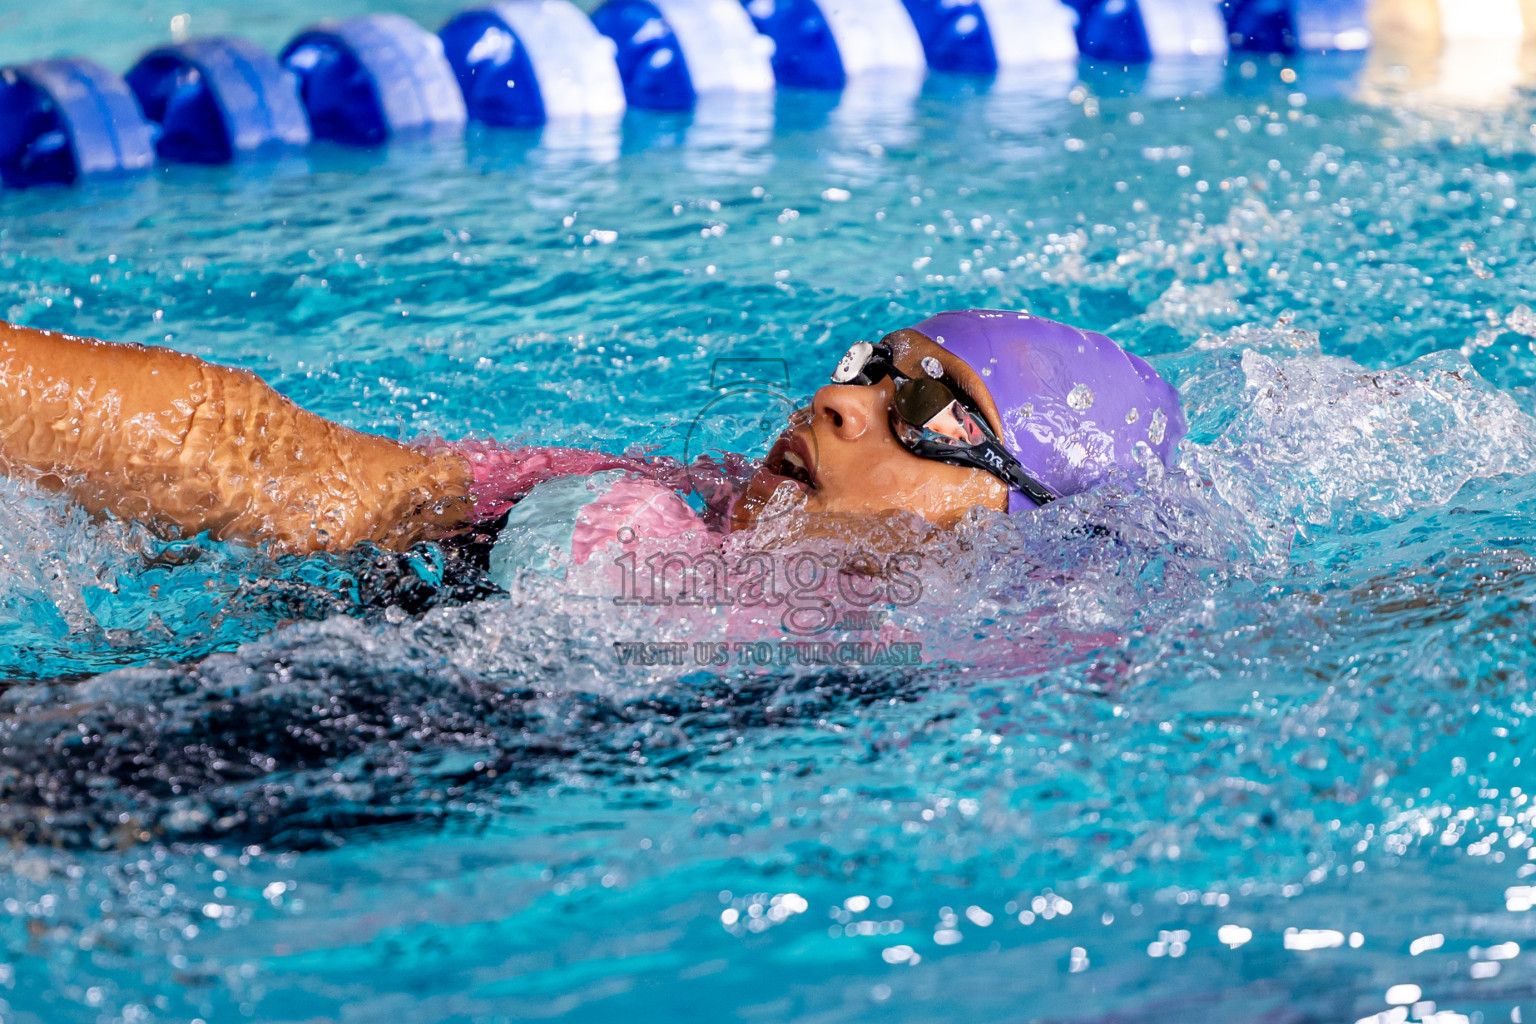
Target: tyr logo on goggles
934, 418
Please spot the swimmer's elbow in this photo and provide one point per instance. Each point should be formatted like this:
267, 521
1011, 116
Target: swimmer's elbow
200, 447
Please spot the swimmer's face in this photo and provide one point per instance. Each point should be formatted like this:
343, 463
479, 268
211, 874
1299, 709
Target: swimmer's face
841, 453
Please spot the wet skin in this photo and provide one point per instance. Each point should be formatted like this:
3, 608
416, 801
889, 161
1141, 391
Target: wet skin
188, 446
842, 454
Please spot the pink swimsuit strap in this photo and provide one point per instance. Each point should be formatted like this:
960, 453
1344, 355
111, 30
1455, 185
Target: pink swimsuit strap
501, 475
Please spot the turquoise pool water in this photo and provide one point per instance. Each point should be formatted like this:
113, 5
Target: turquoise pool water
1263, 756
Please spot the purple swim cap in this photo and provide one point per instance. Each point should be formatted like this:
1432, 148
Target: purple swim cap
1073, 404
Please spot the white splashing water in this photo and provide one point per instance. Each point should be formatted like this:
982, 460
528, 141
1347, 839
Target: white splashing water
1284, 440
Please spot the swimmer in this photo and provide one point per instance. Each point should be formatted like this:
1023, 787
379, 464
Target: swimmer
990, 408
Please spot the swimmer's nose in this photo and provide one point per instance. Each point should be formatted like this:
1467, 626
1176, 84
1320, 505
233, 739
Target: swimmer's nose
848, 409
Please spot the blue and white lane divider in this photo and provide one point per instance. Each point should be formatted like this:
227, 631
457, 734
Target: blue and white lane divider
821, 44
528, 62
1138, 31
61, 119
213, 98
366, 79
1332, 26
987, 36
1297, 26
671, 52
521, 63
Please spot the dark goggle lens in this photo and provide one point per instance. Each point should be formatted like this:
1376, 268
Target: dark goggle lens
920, 400
931, 412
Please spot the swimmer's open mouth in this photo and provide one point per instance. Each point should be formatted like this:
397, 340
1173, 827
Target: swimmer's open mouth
791, 458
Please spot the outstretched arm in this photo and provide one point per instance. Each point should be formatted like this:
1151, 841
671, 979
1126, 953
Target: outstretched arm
148, 433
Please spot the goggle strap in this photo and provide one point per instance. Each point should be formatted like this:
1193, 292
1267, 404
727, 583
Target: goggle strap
1013, 473
1029, 486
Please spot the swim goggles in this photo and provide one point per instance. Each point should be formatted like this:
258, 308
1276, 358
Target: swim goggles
934, 418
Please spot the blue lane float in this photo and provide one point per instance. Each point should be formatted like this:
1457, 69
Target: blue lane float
1264, 26
983, 37
521, 63
214, 98
1297, 26
66, 118
1138, 31
820, 44
671, 52
365, 79
1332, 26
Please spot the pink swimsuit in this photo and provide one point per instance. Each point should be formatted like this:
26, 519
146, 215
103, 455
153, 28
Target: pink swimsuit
641, 507
597, 522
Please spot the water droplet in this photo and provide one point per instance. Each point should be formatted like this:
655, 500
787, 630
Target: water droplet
1522, 321
1133, 415
932, 367
986, 371
1027, 409
1080, 397
1158, 427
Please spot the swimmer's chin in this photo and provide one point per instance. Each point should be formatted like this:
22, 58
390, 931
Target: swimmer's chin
765, 497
